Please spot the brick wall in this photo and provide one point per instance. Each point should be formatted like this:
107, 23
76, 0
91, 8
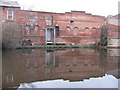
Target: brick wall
84, 29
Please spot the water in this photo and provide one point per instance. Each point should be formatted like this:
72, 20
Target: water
63, 68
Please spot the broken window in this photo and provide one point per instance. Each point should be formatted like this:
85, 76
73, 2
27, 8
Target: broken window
71, 22
10, 15
10, 78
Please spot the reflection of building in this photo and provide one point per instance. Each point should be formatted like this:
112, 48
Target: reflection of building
41, 65
50, 58
113, 62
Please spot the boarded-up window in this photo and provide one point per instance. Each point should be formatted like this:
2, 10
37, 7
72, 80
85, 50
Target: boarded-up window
10, 15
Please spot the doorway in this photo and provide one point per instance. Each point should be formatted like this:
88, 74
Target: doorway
48, 34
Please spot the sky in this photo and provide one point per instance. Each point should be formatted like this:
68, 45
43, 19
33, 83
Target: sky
95, 7
107, 81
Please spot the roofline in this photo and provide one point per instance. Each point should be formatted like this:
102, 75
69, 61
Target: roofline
10, 6
64, 13
42, 12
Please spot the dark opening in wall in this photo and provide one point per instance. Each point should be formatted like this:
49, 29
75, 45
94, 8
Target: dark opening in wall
71, 22
57, 31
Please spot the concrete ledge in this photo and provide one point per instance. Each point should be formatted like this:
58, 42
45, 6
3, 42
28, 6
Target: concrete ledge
32, 36
56, 46
78, 36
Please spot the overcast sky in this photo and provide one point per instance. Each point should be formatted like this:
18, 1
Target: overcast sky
96, 7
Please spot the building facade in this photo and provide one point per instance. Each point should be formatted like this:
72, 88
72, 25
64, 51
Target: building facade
113, 35
75, 27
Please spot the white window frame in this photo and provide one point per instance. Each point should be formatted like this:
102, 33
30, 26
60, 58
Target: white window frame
11, 15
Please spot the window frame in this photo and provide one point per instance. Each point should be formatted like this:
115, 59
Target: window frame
71, 22
10, 15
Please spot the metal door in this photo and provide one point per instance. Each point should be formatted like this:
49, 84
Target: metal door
48, 34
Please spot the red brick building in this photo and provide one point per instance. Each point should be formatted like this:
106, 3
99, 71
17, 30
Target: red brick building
70, 27
75, 27
113, 35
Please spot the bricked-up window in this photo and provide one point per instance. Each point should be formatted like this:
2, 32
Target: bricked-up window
27, 30
10, 15
75, 28
36, 27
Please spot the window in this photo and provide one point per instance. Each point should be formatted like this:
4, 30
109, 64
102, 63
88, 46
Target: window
36, 27
86, 28
68, 28
71, 22
57, 31
94, 28
10, 78
27, 30
75, 28
10, 15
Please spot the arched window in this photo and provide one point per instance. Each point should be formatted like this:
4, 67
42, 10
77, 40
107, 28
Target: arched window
68, 27
87, 31
86, 28
36, 27
27, 30
94, 28
75, 28
94, 31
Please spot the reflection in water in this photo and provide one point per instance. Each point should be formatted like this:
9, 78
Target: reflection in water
10, 78
28, 65
100, 82
50, 58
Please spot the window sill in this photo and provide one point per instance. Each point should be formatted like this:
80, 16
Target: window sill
10, 20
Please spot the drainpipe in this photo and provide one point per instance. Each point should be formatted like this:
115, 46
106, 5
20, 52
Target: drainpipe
54, 36
46, 37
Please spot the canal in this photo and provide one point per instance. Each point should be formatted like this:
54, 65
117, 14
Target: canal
60, 68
